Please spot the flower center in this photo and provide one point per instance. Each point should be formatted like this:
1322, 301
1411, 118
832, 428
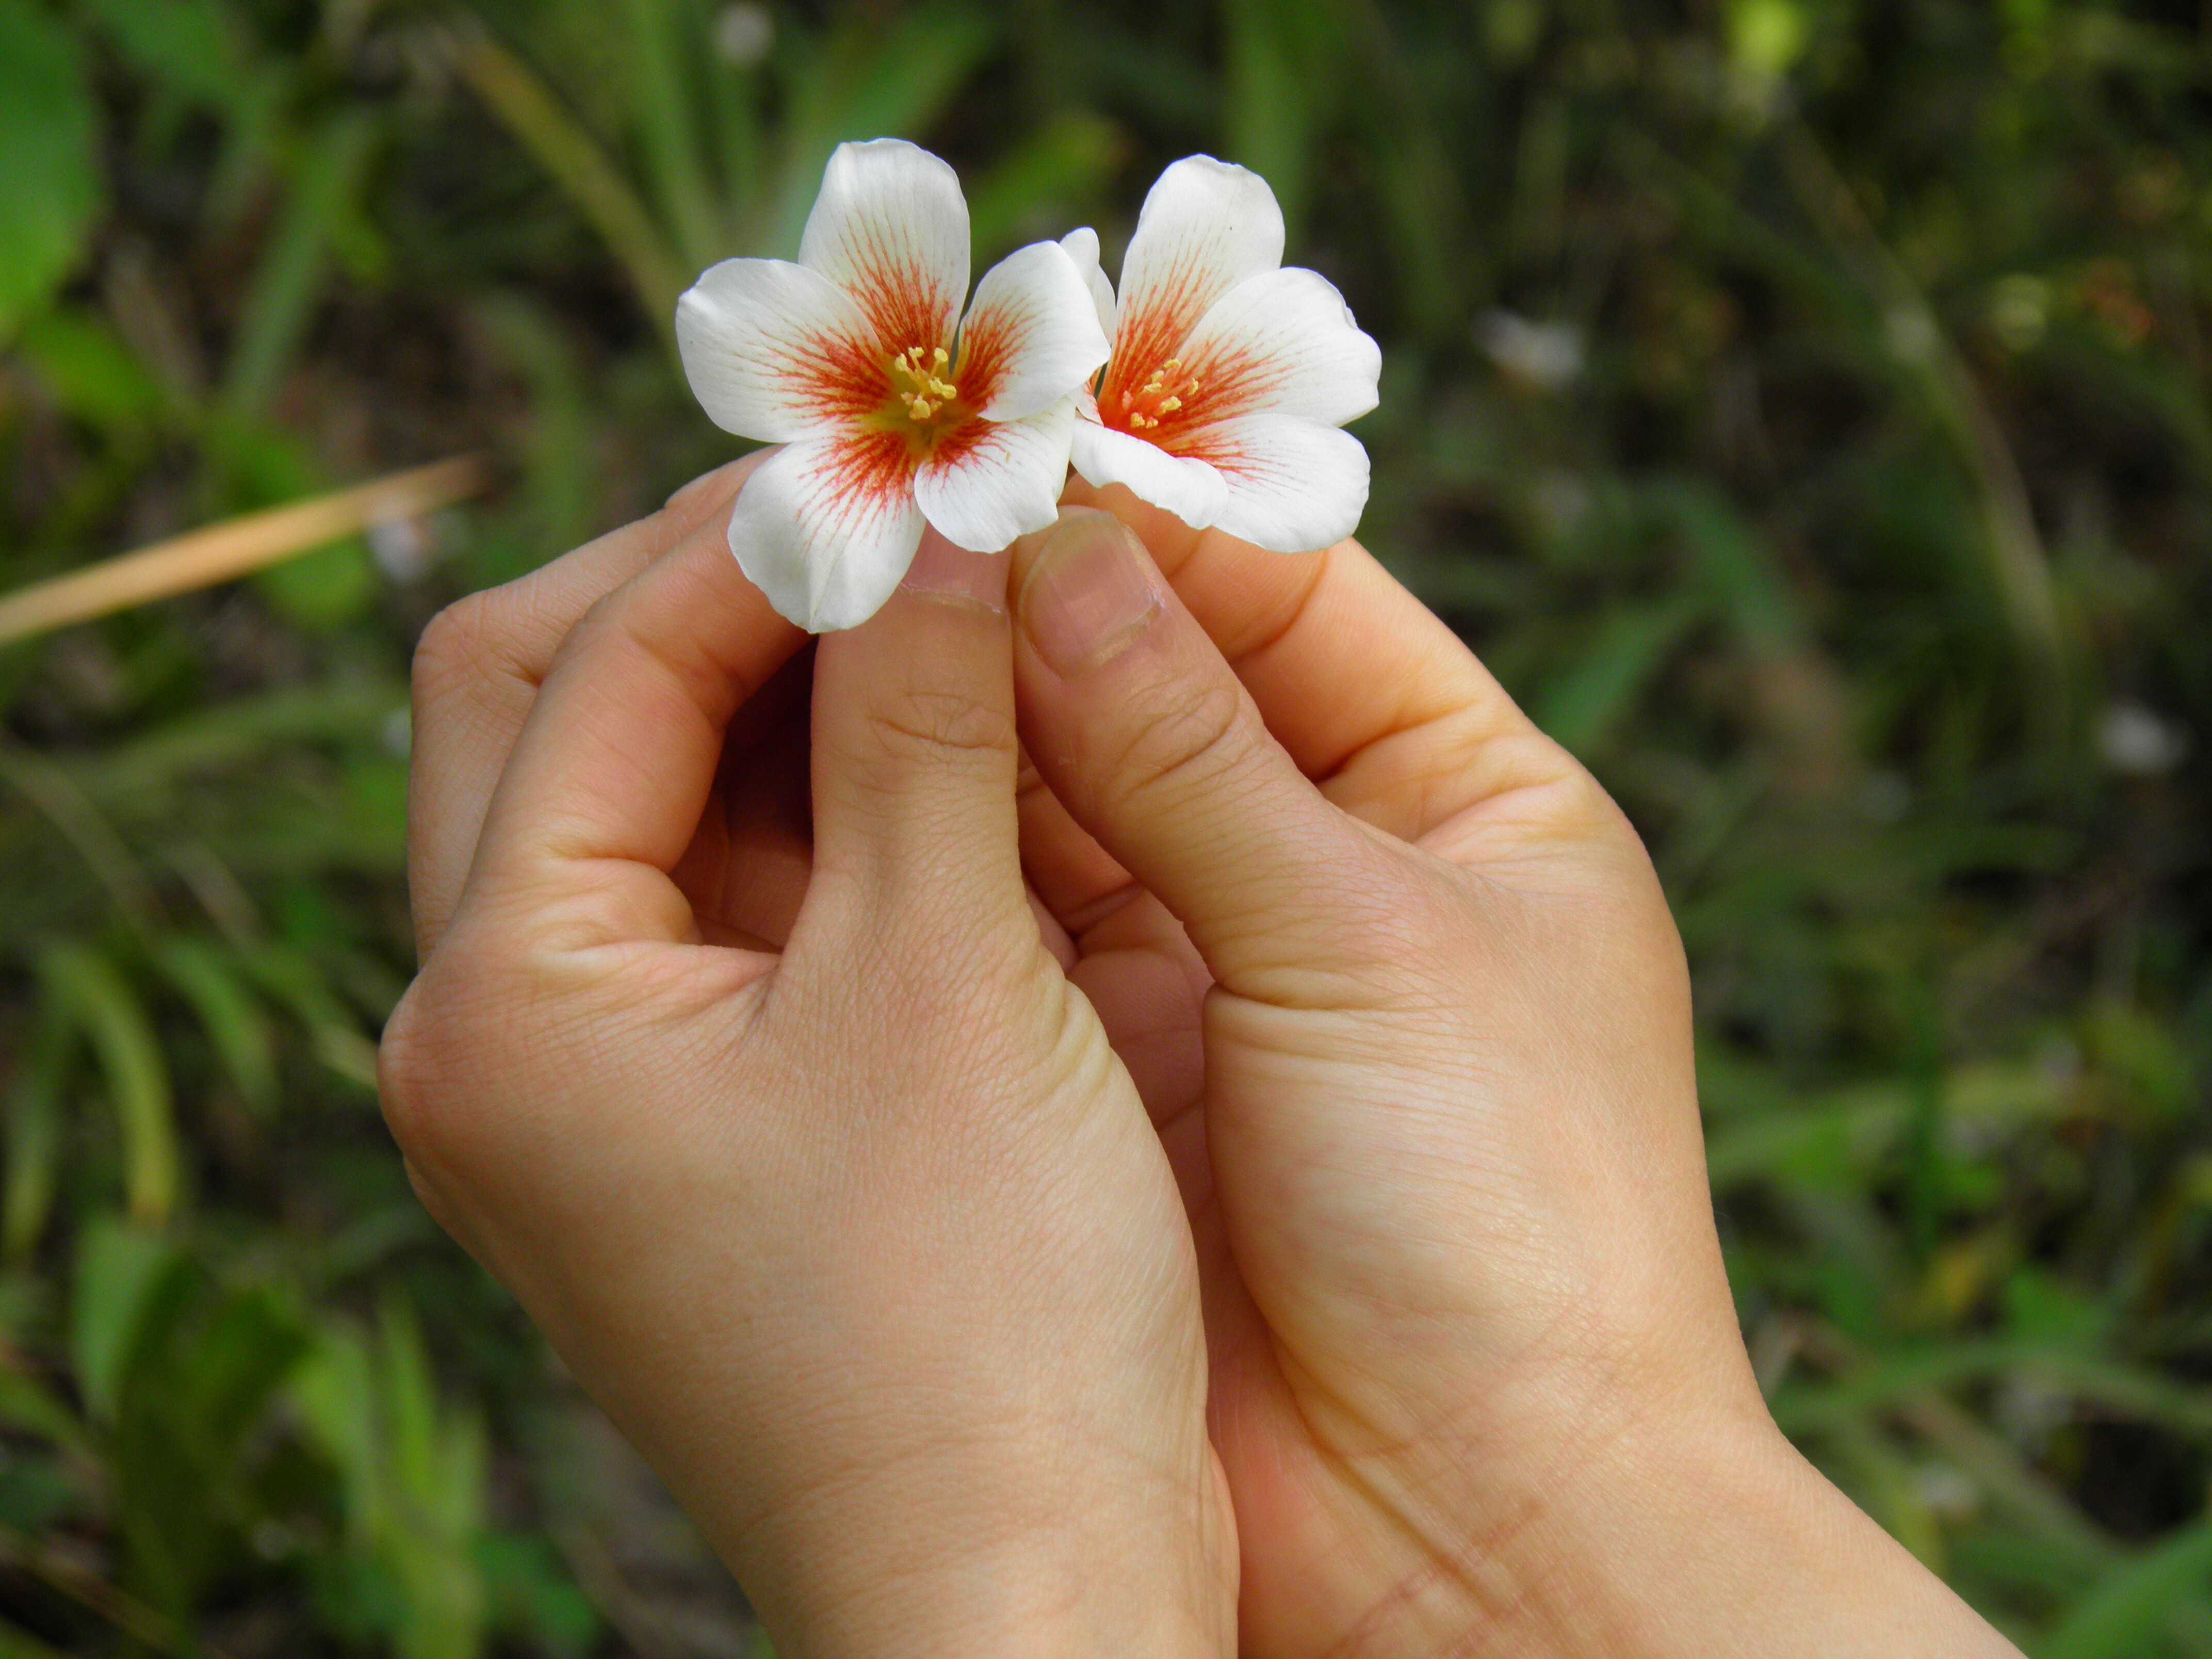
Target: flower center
1162, 393
918, 382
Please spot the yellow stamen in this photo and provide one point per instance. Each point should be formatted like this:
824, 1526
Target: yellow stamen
924, 392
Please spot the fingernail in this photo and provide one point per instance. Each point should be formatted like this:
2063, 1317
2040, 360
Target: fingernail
1089, 595
953, 575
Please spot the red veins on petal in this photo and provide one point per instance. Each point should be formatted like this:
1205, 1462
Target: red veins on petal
901, 302
987, 349
873, 467
845, 379
1217, 446
1149, 337
954, 440
1152, 393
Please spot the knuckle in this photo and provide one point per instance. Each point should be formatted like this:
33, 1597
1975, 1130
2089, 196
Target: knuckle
1182, 742
932, 727
458, 649
432, 1081
407, 1067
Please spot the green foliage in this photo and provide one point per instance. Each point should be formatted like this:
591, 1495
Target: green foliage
47, 134
1802, 407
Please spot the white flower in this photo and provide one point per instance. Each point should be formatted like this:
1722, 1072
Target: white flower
1230, 375
894, 408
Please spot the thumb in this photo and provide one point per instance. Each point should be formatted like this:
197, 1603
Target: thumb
1141, 728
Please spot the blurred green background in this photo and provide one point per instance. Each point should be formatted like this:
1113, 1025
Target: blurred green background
1803, 404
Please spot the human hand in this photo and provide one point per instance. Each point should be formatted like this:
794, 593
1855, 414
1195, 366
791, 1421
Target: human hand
792, 1135
1400, 988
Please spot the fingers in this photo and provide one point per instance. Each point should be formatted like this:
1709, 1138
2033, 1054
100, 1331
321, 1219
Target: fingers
478, 669
915, 755
1139, 726
605, 788
1365, 688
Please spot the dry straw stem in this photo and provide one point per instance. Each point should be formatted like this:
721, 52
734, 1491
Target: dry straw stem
218, 553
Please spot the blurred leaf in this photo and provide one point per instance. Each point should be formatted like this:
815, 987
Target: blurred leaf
675, 135
85, 982
204, 1362
20, 1645
194, 48
47, 155
1280, 91
234, 1019
34, 1131
1581, 705
532, 1593
414, 1480
577, 162
1062, 162
2126, 1614
290, 977
868, 80
88, 372
287, 280
27, 1408
121, 1271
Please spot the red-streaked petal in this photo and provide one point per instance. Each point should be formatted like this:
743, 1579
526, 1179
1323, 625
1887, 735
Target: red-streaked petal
1205, 228
1081, 246
776, 351
1294, 486
826, 528
1190, 488
1000, 479
890, 227
1284, 343
1031, 338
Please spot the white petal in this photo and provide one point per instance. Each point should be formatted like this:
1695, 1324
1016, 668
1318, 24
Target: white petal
769, 348
1031, 338
826, 528
1205, 228
1294, 487
1003, 482
1191, 489
1082, 246
891, 227
1282, 341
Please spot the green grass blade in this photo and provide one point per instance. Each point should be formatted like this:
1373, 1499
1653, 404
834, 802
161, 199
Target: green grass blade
281, 298
110, 1014
236, 1023
674, 137
122, 1273
33, 1133
536, 118
2126, 1614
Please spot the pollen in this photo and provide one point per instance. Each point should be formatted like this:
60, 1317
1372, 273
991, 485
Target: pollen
918, 380
1145, 404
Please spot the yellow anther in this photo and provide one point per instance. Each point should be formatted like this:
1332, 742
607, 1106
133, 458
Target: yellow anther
1168, 406
1171, 364
917, 383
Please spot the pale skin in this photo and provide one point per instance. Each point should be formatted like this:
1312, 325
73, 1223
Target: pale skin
1231, 1186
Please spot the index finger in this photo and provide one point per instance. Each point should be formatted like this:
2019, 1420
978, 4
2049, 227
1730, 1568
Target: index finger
604, 786
476, 672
